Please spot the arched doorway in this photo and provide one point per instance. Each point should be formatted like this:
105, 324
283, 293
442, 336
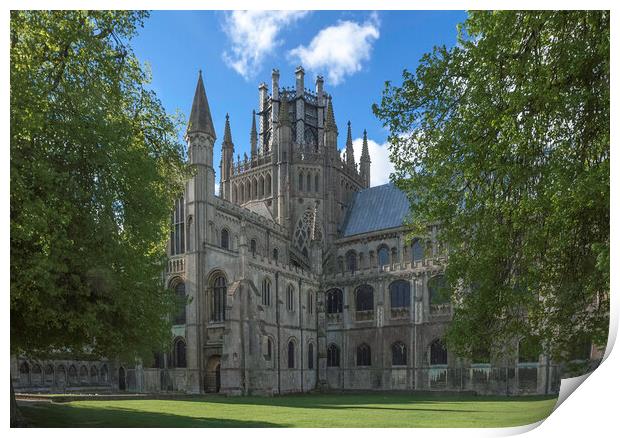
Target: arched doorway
121, 379
213, 375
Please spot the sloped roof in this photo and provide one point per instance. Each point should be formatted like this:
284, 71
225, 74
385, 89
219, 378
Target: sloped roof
200, 117
260, 208
376, 208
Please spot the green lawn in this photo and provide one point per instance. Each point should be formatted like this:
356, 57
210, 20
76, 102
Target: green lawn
320, 410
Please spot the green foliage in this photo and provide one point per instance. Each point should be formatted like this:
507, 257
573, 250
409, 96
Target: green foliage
504, 141
95, 166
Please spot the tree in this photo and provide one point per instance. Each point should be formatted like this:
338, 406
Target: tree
95, 166
503, 140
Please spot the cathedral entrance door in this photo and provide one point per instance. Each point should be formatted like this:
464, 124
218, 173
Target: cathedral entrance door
213, 379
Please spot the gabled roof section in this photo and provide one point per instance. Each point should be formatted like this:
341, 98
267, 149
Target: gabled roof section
376, 208
200, 117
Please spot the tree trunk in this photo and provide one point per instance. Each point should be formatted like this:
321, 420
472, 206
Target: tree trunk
16, 420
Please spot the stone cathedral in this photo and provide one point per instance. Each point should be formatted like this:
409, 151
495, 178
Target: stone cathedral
298, 276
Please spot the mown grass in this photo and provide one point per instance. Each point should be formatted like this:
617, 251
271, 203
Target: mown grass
308, 410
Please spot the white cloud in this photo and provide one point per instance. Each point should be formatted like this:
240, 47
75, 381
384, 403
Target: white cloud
339, 50
380, 164
253, 35
217, 189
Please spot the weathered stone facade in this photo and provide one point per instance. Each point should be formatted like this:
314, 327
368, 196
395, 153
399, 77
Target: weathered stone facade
299, 276
295, 226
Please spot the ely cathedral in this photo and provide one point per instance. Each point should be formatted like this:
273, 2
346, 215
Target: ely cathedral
298, 276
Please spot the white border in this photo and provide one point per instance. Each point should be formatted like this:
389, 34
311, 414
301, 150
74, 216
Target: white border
590, 410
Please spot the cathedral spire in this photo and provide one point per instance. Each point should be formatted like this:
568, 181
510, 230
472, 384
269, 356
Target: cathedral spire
365, 154
330, 122
253, 135
227, 135
365, 161
350, 156
200, 116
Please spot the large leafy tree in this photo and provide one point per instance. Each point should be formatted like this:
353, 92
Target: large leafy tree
503, 140
95, 165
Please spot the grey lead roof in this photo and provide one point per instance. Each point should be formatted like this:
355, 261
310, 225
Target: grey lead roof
376, 208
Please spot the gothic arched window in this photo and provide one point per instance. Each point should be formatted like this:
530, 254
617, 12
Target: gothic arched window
300, 186
351, 259
310, 356
179, 292
334, 301
400, 294
253, 247
104, 373
333, 356
73, 374
363, 355
417, 251
266, 292
218, 299
364, 298
438, 290
83, 374
399, 353
179, 360
224, 238
438, 353
177, 228
316, 183
291, 354
383, 253
290, 292
275, 254
94, 374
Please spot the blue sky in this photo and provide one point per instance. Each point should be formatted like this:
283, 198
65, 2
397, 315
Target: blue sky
356, 52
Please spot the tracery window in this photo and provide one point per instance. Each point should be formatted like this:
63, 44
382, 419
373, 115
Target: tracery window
400, 294
333, 356
351, 259
364, 299
334, 301
177, 229
417, 250
438, 353
218, 299
179, 356
384, 255
363, 355
303, 231
438, 290
399, 353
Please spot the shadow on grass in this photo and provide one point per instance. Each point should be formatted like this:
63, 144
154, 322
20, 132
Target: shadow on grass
64, 415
